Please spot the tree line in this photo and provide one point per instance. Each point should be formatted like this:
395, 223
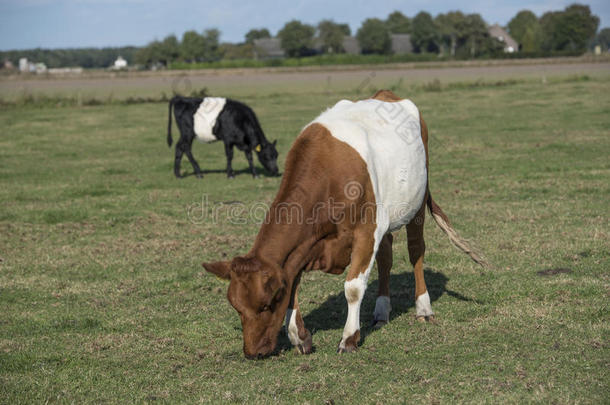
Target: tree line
451, 34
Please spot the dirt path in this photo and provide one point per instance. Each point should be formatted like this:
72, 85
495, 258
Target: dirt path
273, 80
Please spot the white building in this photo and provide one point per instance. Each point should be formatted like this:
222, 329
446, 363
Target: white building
119, 63
24, 66
510, 45
40, 68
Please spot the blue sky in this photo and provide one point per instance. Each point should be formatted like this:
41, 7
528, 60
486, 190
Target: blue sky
97, 23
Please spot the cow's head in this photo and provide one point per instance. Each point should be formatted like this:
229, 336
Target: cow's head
267, 154
260, 295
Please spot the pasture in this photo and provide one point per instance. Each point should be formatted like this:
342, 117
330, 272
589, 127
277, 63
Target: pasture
103, 297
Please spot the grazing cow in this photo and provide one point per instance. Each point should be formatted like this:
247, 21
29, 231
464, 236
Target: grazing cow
212, 119
355, 174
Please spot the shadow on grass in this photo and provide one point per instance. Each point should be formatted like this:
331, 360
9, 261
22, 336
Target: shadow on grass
331, 314
259, 171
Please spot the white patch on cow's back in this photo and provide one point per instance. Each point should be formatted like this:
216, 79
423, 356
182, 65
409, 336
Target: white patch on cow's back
387, 135
388, 138
205, 118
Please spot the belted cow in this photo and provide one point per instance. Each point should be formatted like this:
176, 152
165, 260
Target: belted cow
355, 174
213, 119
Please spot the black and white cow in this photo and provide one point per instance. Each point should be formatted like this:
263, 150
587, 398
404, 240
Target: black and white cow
213, 119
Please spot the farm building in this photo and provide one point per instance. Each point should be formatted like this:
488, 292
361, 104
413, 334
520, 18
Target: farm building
271, 48
268, 48
401, 44
119, 63
351, 45
510, 45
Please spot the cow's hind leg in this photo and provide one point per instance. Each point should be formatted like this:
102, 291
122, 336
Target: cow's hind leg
295, 327
229, 153
381, 315
196, 168
363, 255
417, 248
177, 160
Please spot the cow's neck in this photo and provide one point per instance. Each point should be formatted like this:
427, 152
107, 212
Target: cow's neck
289, 236
260, 138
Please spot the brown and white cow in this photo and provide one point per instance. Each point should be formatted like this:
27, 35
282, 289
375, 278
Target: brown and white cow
355, 174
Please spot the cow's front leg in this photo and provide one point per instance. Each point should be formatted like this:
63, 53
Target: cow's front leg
295, 327
229, 153
299, 336
363, 254
251, 163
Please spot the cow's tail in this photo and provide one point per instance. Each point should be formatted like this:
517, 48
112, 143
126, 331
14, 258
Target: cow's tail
443, 222
169, 123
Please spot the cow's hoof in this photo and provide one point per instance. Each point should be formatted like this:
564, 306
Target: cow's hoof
425, 319
231, 176
199, 175
378, 324
350, 344
347, 349
306, 346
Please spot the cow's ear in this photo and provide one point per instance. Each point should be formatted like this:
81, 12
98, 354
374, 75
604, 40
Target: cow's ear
275, 142
245, 265
220, 269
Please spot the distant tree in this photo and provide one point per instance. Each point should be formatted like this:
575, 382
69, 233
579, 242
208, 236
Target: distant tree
550, 23
478, 40
580, 25
142, 56
150, 54
532, 39
345, 29
331, 35
169, 50
211, 38
374, 37
257, 34
236, 51
398, 23
603, 38
520, 23
296, 38
424, 33
571, 29
452, 30
192, 46
197, 47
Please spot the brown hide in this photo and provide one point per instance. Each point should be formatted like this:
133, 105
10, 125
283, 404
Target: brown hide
317, 223
311, 224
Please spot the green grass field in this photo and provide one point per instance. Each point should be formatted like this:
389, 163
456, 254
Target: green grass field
103, 297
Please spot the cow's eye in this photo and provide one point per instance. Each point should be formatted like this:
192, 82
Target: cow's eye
266, 308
